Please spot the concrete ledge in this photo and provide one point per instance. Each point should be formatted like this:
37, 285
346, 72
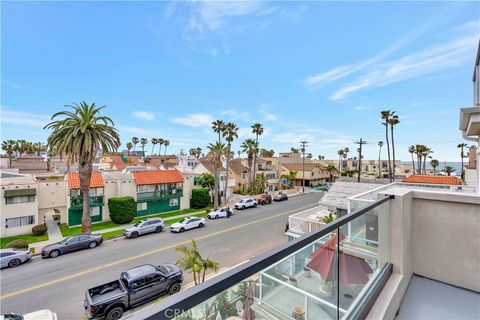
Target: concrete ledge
390, 299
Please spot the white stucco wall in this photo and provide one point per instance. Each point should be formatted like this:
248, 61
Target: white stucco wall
18, 210
52, 195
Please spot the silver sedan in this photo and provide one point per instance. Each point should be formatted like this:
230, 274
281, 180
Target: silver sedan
14, 257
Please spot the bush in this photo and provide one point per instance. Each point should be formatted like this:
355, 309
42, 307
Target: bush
17, 244
56, 217
39, 230
122, 209
207, 210
200, 198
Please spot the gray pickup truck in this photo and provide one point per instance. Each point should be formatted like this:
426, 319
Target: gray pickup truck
136, 286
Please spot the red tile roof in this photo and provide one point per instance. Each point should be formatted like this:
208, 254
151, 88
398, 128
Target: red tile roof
95, 182
157, 176
119, 164
433, 179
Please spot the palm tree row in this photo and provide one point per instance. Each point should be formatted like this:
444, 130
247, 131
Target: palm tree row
390, 121
422, 152
196, 152
143, 141
20, 147
342, 156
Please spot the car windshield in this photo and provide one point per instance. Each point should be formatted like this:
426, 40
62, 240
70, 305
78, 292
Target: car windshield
12, 317
64, 240
185, 220
138, 223
242, 201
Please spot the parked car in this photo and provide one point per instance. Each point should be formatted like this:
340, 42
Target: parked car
71, 244
14, 257
246, 203
36, 315
220, 213
135, 286
280, 197
188, 223
144, 227
264, 199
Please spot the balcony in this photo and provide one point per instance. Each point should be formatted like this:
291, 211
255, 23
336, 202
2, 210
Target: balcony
95, 201
160, 194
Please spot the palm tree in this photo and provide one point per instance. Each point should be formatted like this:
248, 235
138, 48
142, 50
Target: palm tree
193, 261
9, 147
331, 169
257, 130
80, 133
166, 143
462, 146
385, 115
294, 150
411, 150
434, 163
320, 157
380, 145
135, 141
230, 133
249, 146
218, 126
290, 177
426, 153
393, 121
129, 147
448, 170
216, 150
161, 141
309, 156
198, 152
143, 142
154, 141
340, 155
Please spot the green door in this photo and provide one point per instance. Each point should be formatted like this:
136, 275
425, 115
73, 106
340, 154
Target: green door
157, 206
75, 216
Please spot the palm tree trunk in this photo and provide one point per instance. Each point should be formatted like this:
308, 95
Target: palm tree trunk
226, 177
85, 175
461, 170
413, 164
419, 161
393, 153
195, 277
379, 153
217, 187
153, 146
255, 161
424, 165
388, 151
203, 276
165, 152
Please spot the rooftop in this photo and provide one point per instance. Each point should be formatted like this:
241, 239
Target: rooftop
448, 180
96, 180
157, 176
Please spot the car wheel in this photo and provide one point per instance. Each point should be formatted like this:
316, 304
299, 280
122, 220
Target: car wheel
243, 207
254, 205
134, 235
216, 217
182, 229
14, 263
54, 254
174, 288
114, 314
158, 229
200, 225
92, 244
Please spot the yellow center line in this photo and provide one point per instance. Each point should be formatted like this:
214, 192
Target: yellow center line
117, 262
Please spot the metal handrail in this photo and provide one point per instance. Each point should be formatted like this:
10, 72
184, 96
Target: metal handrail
192, 297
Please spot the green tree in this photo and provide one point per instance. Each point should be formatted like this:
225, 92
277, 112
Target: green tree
200, 198
249, 146
166, 143
129, 147
257, 130
154, 141
216, 151
230, 133
393, 121
448, 170
340, 155
294, 150
9, 147
290, 177
380, 145
462, 146
134, 142
434, 163
385, 115
143, 142
80, 133
331, 169
193, 262
218, 127
411, 150
122, 209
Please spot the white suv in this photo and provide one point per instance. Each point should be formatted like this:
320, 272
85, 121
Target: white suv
144, 226
246, 203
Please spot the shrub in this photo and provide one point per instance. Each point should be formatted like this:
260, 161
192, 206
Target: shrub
122, 209
39, 230
207, 210
56, 217
17, 244
200, 198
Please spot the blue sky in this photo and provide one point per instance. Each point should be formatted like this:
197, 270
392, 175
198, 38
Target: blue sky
315, 71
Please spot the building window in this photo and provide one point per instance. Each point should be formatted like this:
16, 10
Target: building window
173, 202
20, 199
141, 206
19, 221
94, 211
244, 176
142, 188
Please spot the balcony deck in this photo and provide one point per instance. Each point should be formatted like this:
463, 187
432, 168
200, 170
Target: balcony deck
430, 299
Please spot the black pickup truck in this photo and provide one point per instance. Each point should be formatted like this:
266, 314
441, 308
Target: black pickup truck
136, 286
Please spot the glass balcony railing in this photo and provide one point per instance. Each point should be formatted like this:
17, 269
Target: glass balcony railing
160, 194
95, 201
330, 273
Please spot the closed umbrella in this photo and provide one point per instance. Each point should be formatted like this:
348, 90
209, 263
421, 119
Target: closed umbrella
248, 313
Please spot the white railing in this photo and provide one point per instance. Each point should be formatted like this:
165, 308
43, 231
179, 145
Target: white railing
301, 223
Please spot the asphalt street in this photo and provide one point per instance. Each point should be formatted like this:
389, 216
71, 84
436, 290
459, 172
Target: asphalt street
59, 284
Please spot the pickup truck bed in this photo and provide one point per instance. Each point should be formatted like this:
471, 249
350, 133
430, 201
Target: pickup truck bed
105, 292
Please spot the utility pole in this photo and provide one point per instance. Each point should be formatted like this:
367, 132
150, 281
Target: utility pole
303, 145
361, 143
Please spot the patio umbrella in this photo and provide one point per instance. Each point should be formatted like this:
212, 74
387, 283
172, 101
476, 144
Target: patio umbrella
248, 313
352, 269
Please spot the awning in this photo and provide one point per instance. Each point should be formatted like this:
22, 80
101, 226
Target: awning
19, 193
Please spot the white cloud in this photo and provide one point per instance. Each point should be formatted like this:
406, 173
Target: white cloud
26, 119
194, 120
361, 108
264, 110
215, 14
149, 116
234, 114
137, 132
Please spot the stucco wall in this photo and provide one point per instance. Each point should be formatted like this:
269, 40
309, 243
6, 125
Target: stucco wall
18, 210
117, 188
188, 185
52, 195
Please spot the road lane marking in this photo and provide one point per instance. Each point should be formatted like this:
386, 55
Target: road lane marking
148, 253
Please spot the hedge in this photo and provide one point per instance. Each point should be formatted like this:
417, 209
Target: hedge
200, 198
18, 244
122, 209
39, 230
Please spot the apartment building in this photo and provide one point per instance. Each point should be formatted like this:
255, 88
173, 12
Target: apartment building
314, 174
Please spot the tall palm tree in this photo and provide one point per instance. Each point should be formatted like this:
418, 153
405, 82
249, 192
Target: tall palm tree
434, 163
331, 169
216, 150
345, 153
230, 133
134, 142
448, 170
426, 154
249, 146
380, 145
340, 155
198, 152
161, 141
143, 142
462, 146
411, 150
393, 121
166, 143
385, 115
419, 151
154, 141
218, 126
129, 147
9, 147
320, 157
257, 130
80, 133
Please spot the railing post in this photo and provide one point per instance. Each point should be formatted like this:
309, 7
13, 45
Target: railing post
337, 257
